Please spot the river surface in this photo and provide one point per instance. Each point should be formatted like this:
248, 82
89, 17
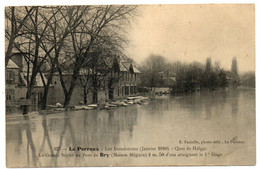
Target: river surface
31, 140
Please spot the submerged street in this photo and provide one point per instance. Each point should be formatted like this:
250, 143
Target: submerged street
219, 115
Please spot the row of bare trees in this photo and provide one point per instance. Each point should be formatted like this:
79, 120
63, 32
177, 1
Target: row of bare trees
66, 39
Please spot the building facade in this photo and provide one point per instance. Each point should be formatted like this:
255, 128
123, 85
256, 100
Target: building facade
16, 85
129, 80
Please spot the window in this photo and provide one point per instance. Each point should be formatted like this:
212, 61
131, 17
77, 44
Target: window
126, 90
9, 77
131, 89
135, 89
123, 90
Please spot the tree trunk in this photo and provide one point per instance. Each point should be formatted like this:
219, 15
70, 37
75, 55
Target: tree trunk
68, 95
46, 89
67, 100
44, 98
35, 68
95, 94
110, 90
85, 94
111, 93
72, 86
28, 96
9, 50
26, 107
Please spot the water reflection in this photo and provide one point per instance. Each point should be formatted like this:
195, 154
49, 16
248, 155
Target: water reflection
30, 143
68, 129
204, 105
19, 134
234, 102
161, 121
46, 140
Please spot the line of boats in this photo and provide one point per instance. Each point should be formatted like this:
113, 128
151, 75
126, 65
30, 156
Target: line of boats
106, 105
113, 104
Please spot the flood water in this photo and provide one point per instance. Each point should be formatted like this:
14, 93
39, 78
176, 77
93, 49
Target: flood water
162, 122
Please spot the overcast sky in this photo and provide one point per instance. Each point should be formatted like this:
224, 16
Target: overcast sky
194, 32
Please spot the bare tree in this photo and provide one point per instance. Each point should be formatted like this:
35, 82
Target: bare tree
95, 24
234, 70
31, 44
152, 69
63, 38
65, 20
85, 83
15, 21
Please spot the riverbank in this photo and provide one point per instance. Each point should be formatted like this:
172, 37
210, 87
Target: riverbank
104, 105
58, 108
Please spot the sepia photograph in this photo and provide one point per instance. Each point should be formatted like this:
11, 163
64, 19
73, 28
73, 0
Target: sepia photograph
130, 85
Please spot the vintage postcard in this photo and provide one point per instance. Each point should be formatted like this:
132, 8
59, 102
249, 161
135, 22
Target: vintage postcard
130, 85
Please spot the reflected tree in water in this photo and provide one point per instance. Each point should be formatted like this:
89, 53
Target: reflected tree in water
30, 143
234, 102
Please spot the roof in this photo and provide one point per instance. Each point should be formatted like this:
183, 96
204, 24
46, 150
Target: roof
172, 78
38, 80
122, 67
125, 67
12, 65
136, 70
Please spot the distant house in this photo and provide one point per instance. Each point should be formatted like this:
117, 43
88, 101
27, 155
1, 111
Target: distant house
16, 84
169, 80
38, 89
232, 78
128, 81
12, 81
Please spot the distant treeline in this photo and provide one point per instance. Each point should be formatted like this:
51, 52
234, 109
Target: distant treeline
183, 77
248, 79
